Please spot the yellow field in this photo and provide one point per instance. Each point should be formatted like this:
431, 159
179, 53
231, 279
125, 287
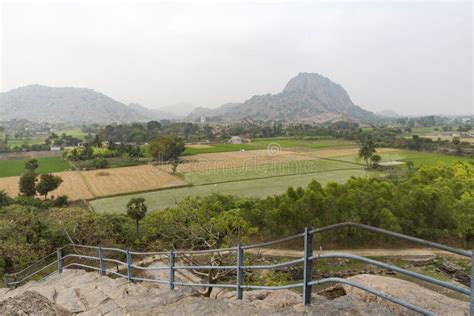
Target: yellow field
89, 184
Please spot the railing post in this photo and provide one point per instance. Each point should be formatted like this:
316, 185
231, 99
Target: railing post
171, 259
240, 271
472, 284
60, 260
307, 272
129, 266
5, 281
101, 261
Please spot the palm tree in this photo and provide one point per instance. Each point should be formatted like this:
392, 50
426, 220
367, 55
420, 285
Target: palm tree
136, 210
366, 149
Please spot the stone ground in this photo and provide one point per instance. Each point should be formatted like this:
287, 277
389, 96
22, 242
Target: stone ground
88, 293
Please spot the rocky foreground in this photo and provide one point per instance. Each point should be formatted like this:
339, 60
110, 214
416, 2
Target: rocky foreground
87, 293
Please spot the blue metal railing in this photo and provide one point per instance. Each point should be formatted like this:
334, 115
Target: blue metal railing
15, 279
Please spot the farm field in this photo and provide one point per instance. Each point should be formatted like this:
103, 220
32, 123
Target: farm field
12, 142
96, 183
263, 143
15, 167
301, 167
417, 157
250, 188
271, 177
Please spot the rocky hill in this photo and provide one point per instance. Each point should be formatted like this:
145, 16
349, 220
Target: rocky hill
76, 105
306, 97
88, 293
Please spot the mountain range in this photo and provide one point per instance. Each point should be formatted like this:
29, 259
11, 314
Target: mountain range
306, 97
39, 103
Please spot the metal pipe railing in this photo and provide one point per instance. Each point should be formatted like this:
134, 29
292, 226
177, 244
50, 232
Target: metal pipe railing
240, 267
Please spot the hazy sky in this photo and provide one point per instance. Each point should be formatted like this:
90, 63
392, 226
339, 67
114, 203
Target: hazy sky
413, 58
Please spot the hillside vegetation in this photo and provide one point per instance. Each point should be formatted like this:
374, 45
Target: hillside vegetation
434, 203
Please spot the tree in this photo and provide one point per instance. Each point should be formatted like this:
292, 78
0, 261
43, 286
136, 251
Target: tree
31, 165
152, 125
5, 199
375, 159
198, 223
28, 183
174, 165
136, 210
48, 182
366, 149
166, 148
457, 143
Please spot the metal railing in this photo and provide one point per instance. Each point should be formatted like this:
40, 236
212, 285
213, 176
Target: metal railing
308, 260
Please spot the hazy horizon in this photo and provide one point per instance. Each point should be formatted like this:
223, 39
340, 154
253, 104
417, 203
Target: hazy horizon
412, 58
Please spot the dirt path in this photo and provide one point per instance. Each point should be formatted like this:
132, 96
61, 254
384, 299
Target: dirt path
412, 253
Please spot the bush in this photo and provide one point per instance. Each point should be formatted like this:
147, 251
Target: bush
100, 163
61, 201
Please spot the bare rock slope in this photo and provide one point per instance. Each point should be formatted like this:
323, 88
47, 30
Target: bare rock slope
86, 293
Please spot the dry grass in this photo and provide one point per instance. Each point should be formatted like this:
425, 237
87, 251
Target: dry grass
236, 159
128, 179
89, 184
198, 146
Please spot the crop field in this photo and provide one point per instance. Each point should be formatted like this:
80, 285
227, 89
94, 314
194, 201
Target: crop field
417, 157
264, 175
12, 142
263, 143
15, 167
280, 170
90, 184
249, 188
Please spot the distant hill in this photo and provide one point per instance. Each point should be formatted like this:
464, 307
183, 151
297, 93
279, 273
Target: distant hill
387, 114
75, 105
306, 97
180, 110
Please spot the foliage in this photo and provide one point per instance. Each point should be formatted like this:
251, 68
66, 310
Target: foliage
366, 149
5, 199
166, 148
100, 163
31, 165
136, 210
27, 183
48, 182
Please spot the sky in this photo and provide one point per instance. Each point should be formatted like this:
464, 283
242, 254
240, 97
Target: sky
413, 58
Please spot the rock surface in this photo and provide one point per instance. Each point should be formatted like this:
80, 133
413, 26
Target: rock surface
410, 292
87, 293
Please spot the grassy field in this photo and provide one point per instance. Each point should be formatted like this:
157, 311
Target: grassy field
12, 142
10, 168
263, 143
76, 133
250, 188
417, 157
269, 170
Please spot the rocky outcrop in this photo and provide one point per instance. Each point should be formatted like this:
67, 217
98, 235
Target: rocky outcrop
87, 293
306, 97
407, 291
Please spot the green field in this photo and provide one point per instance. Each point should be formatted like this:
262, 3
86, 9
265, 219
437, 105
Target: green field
263, 143
417, 157
270, 170
12, 142
250, 188
15, 167
76, 133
